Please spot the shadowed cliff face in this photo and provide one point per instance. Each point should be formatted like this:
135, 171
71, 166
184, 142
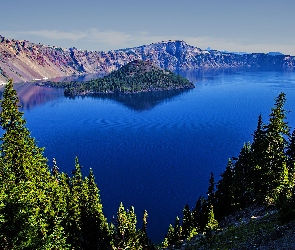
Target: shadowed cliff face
25, 61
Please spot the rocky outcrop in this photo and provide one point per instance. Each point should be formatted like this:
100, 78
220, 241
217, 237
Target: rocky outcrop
26, 61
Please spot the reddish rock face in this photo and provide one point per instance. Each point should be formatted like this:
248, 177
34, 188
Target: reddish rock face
25, 61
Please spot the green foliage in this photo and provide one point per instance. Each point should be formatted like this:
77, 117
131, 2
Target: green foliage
277, 132
40, 209
225, 191
169, 239
199, 221
177, 231
212, 223
19, 152
136, 76
174, 235
187, 222
249, 235
262, 173
211, 191
244, 174
29, 194
290, 152
198, 215
125, 235
263, 169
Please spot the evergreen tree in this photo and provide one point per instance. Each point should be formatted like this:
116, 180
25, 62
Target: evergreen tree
225, 198
94, 225
144, 221
211, 191
165, 242
291, 157
125, 233
259, 143
277, 133
177, 231
212, 223
244, 177
199, 219
169, 239
174, 235
75, 206
29, 196
19, 152
144, 241
86, 224
258, 149
187, 223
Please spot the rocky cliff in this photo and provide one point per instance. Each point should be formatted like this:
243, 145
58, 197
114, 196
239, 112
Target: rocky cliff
26, 61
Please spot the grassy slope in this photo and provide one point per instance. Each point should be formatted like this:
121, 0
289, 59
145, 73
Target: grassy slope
252, 228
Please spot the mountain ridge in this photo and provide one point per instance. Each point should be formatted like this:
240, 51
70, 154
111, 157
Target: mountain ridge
24, 61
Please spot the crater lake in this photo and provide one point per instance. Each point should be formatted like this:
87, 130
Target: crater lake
155, 151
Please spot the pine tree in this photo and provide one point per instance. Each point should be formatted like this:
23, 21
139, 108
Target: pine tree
170, 237
144, 221
187, 223
259, 143
74, 202
165, 242
177, 231
244, 177
19, 152
212, 223
29, 218
277, 132
225, 192
199, 219
258, 149
94, 226
125, 233
291, 158
211, 191
144, 240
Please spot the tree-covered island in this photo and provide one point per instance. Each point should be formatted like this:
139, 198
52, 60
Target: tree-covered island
136, 76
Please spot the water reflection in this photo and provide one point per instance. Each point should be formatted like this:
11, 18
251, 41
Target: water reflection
31, 95
142, 101
79, 78
202, 75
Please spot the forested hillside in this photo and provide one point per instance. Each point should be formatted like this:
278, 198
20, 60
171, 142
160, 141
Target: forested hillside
42, 208
262, 175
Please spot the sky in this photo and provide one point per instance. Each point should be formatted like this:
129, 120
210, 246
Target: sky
103, 25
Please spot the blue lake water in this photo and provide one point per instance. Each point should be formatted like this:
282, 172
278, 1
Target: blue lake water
155, 151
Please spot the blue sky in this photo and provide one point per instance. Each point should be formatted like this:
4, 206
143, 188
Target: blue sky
102, 25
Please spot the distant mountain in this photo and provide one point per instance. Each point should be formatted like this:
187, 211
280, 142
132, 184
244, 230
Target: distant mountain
26, 61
